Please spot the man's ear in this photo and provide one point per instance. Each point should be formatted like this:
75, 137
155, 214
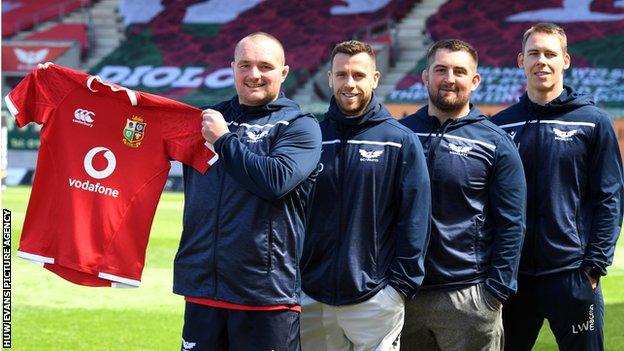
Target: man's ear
476, 80
376, 77
566, 61
285, 71
520, 59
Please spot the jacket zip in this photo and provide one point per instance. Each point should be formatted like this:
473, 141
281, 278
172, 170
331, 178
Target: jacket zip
530, 240
341, 166
433, 149
538, 145
534, 211
217, 230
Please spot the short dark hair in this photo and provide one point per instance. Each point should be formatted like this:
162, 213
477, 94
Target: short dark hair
546, 28
352, 48
451, 45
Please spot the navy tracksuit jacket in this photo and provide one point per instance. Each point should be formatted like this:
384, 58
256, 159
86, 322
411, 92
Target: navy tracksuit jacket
478, 197
574, 179
244, 219
369, 220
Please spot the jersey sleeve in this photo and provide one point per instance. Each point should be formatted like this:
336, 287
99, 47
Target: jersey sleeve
36, 97
181, 131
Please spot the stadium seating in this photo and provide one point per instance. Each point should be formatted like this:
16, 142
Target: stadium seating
65, 31
182, 49
380, 32
595, 41
187, 34
24, 14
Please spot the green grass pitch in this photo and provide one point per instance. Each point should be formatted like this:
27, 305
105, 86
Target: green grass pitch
49, 313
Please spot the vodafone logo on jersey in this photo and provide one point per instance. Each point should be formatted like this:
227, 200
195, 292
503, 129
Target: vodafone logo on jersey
84, 117
110, 158
87, 185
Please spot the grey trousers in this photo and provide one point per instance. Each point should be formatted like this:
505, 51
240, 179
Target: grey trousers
468, 319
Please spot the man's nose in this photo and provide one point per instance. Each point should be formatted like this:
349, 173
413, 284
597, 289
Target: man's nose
350, 81
449, 77
254, 72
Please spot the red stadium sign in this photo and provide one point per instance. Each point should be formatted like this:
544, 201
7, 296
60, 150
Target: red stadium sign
24, 57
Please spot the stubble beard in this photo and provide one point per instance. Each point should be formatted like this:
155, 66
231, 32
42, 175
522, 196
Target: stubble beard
448, 104
356, 110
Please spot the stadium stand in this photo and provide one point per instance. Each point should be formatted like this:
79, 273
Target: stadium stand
25, 14
595, 41
182, 49
65, 31
33, 32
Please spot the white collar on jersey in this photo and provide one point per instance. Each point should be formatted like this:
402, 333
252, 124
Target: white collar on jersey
131, 94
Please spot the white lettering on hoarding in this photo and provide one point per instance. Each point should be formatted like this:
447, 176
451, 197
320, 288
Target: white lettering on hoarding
167, 76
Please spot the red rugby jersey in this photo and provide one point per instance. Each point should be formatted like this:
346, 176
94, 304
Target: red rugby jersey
103, 161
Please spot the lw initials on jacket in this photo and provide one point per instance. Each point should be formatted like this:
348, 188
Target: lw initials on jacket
585, 326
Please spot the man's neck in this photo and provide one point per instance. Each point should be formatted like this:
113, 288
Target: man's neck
356, 114
544, 97
444, 116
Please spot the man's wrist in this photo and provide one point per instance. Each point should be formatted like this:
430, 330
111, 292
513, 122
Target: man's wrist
217, 143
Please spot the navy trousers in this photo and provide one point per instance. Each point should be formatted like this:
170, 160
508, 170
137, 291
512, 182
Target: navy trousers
574, 311
216, 329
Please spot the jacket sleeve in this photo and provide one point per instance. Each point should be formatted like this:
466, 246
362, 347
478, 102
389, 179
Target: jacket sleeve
412, 230
507, 202
605, 198
292, 158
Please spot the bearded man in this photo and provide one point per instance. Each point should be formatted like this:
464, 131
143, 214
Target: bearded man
478, 196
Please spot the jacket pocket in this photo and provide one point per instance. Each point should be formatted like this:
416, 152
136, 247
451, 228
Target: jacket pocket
578, 227
478, 223
582, 289
376, 257
489, 300
270, 239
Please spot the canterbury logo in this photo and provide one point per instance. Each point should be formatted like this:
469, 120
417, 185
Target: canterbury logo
84, 117
255, 137
512, 134
563, 135
459, 150
371, 156
107, 171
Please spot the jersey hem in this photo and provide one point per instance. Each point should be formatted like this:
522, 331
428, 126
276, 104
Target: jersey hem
35, 258
114, 280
